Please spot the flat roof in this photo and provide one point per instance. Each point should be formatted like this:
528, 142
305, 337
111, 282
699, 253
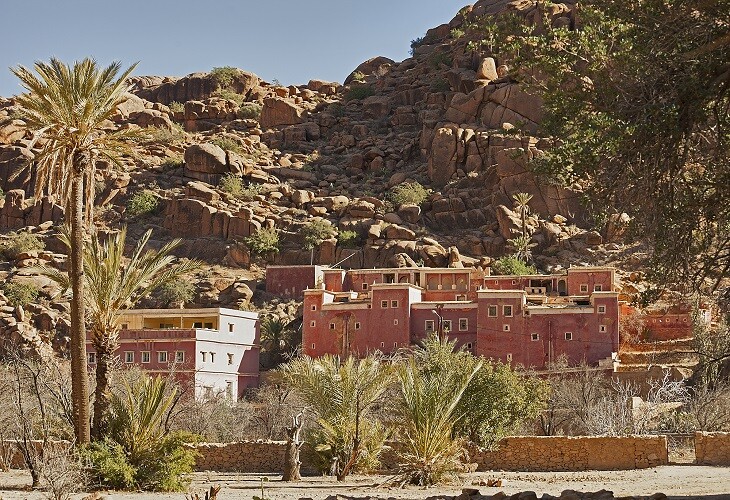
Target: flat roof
206, 311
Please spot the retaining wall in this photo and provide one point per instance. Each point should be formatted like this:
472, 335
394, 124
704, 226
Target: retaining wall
524, 453
712, 448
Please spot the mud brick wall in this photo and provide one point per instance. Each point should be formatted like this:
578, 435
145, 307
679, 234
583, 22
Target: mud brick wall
246, 456
559, 453
712, 448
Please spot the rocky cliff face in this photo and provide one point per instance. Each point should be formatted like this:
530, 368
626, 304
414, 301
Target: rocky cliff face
452, 119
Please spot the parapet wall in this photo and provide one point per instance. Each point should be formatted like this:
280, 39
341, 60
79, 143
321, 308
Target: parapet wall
525, 453
712, 448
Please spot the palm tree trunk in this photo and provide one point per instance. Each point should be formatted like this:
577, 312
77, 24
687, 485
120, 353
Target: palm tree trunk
101, 393
79, 374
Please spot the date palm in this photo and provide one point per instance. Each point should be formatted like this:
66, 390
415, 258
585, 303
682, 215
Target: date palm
67, 107
522, 201
112, 285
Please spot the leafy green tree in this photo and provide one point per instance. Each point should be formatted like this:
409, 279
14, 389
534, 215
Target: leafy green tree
433, 382
275, 337
512, 266
497, 401
314, 233
637, 97
114, 284
68, 109
342, 395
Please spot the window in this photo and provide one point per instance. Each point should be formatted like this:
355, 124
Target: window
162, 356
395, 344
332, 326
389, 278
430, 325
598, 288
204, 355
395, 322
364, 286
229, 389
179, 356
208, 325
91, 357
602, 329
125, 326
509, 357
461, 298
535, 337
393, 304
230, 358
584, 288
212, 357
514, 282
507, 311
446, 325
601, 309
505, 328
468, 345
166, 325
312, 324
568, 335
463, 324
312, 346
357, 325
145, 356
314, 308
492, 311
231, 326
197, 324
382, 344
129, 356
384, 304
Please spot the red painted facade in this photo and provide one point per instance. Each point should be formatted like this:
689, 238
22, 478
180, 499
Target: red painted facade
528, 320
291, 281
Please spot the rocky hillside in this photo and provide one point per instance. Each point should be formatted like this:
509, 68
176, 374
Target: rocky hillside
229, 156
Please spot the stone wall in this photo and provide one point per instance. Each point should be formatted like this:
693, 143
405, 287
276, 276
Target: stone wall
712, 448
526, 453
558, 453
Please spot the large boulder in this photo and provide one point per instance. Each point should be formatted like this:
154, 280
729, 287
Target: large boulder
278, 111
196, 86
378, 66
442, 162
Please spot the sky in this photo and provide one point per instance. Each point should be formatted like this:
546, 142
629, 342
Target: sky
292, 41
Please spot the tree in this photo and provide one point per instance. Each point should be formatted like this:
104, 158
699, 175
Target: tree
341, 394
314, 233
114, 284
637, 97
68, 109
275, 337
522, 203
433, 381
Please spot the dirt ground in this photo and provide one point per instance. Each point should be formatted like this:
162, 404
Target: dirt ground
677, 482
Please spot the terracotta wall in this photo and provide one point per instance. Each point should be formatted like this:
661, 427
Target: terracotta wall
712, 448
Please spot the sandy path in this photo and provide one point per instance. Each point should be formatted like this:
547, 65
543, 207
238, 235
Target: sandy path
678, 482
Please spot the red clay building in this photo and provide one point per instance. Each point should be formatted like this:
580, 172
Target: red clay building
527, 320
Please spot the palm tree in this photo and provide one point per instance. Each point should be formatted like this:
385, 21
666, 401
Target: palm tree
341, 395
68, 109
522, 246
275, 337
522, 201
432, 381
112, 285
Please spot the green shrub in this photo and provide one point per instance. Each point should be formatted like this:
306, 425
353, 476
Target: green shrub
164, 135
229, 95
142, 203
227, 144
224, 76
358, 76
408, 193
17, 243
336, 109
457, 33
439, 58
231, 184
348, 239
20, 294
176, 107
315, 232
109, 466
264, 241
440, 85
512, 266
415, 43
172, 162
250, 110
359, 92
176, 292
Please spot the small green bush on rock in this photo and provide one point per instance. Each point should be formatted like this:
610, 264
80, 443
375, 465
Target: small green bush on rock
142, 203
225, 75
17, 243
264, 241
408, 193
348, 239
359, 92
20, 294
512, 266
